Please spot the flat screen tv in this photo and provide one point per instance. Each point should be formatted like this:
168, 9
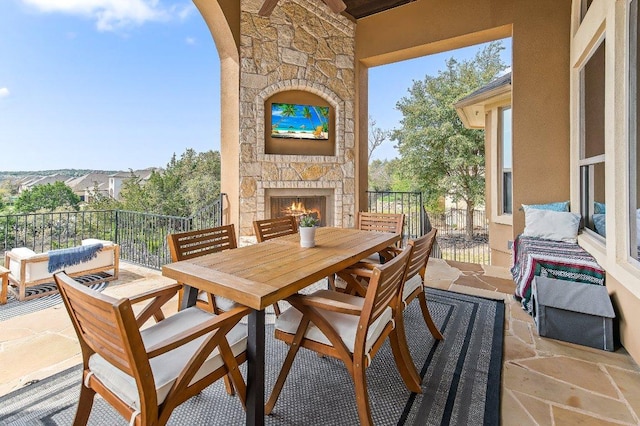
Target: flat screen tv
296, 121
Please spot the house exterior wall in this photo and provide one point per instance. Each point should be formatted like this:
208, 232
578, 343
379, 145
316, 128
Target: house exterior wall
607, 20
540, 70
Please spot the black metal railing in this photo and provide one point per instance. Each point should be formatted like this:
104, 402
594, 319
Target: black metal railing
142, 236
451, 241
408, 203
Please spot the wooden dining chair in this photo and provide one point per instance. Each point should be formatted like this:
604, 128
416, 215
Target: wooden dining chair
380, 222
145, 374
375, 222
413, 287
273, 228
268, 229
349, 328
190, 244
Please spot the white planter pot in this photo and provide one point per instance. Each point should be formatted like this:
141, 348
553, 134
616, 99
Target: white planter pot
307, 236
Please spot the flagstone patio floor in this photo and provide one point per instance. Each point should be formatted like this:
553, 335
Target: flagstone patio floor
544, 381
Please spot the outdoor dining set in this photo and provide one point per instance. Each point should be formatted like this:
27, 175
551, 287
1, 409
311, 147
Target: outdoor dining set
145, 364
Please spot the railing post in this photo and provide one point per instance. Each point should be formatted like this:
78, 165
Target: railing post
116, 231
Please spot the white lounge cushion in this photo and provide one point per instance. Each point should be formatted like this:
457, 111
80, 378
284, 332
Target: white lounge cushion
167, 367
90, 241
23, 252
411, 285
20, 253
346, 325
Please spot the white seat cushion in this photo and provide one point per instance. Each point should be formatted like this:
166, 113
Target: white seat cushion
346, 325
410, 286
222, 303
168, 366
225, 304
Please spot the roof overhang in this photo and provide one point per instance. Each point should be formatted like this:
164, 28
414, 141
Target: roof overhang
471, 109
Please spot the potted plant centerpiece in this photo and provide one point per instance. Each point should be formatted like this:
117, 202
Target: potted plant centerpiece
307, 228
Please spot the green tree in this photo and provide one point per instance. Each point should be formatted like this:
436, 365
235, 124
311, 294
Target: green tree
306, 113
134, 195
286, 110
379, 177
438, 153
185, 186
47, 197
101, 201
376, 136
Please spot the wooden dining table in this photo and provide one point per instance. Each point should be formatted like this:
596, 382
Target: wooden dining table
260, 275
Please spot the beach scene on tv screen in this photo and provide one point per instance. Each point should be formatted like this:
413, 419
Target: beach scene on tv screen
294, 121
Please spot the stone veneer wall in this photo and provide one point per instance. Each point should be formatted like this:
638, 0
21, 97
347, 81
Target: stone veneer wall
301, 46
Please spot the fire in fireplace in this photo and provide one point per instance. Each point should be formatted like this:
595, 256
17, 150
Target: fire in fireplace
297, 206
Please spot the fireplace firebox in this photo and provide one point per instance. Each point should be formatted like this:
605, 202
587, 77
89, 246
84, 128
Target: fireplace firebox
315, 206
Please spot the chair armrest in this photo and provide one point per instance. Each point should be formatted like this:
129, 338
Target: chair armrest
225, 321
158, 298
360, 269
169, 289
389, 253
326, 304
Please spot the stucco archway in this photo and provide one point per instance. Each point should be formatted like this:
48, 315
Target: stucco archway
223, 20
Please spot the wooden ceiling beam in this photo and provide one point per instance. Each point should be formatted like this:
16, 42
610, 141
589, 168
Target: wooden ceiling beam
336, 6
267, 7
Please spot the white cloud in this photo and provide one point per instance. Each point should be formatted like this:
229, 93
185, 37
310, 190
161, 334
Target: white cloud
111, 15
190, 41
4, 92
185, 11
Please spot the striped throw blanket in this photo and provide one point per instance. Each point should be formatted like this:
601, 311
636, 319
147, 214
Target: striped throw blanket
59, 259
554, 259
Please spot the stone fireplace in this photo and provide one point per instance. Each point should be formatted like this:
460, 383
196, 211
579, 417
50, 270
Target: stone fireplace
302, 54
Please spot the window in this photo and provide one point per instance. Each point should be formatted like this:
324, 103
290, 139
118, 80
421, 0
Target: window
584, 7
634, 132
505, 161
592, 154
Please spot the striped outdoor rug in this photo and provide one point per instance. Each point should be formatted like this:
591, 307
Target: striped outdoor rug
461, 380
14, 307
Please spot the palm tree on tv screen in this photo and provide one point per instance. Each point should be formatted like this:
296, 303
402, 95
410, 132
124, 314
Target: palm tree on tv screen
286, 110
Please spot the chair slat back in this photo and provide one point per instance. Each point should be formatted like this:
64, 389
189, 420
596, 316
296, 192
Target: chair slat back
421, 251
380, 222
104, 325
274, 228
384, 287
190, 244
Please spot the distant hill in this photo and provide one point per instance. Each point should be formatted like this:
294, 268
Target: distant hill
67, 172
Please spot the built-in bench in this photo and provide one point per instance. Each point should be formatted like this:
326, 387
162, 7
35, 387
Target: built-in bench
553, 259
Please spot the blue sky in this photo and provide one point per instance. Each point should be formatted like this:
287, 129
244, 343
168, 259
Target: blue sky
119, 84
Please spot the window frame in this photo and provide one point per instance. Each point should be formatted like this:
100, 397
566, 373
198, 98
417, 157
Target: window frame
633, 70
501, 170
494, 169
